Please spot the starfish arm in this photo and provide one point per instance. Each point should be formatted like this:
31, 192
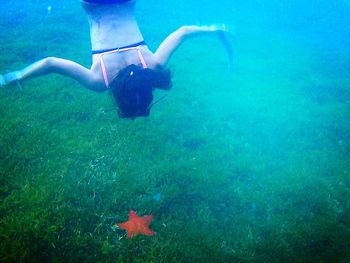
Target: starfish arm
122, 225
148, 232
148, 219
132, 214
125, 225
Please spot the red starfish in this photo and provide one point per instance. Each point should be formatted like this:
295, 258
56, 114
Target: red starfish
137, 225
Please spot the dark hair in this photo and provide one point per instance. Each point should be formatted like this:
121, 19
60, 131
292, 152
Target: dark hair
132, 89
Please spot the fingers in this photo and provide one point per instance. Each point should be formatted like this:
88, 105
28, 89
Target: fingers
218, 27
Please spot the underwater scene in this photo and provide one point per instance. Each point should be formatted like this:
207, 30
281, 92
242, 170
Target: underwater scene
246, 161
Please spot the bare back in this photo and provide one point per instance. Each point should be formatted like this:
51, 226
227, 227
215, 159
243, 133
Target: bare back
113, 26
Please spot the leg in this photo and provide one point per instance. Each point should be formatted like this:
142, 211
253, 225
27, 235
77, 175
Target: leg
52, 65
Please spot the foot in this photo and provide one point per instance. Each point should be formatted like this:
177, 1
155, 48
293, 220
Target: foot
2, 81
10, 78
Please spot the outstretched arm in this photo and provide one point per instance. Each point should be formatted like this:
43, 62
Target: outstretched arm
175, 39
51, 65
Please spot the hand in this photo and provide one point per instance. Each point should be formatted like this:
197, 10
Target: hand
218, 27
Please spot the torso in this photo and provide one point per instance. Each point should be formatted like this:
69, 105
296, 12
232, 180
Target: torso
113, 26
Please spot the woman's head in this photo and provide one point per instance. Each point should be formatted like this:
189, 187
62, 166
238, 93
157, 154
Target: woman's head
132, 89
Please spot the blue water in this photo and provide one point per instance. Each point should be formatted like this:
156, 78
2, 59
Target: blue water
247, 165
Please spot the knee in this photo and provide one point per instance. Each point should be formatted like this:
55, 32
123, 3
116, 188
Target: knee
49, 62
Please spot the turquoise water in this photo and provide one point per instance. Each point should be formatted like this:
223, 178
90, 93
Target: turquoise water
251, 165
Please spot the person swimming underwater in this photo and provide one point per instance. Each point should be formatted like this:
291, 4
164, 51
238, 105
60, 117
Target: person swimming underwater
121, 60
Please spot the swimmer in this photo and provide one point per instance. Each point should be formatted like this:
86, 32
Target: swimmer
121, 60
